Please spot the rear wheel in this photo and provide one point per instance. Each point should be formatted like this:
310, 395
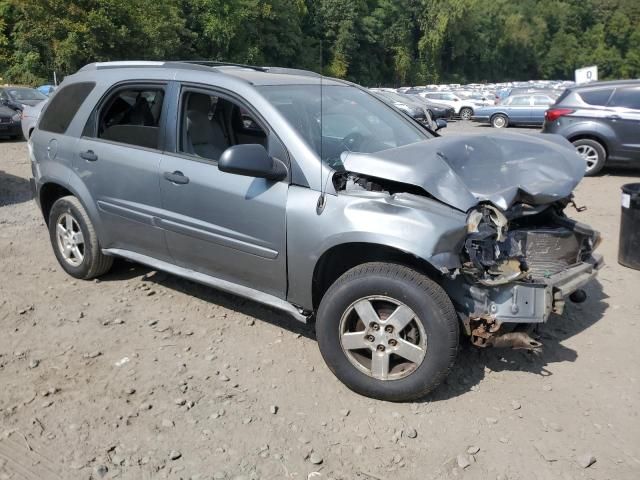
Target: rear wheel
499, 121
74, 240
387, 331
593, 154
466, 113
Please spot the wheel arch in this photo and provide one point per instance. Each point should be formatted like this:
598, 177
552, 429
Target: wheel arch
590, 136
342, 257
51, 190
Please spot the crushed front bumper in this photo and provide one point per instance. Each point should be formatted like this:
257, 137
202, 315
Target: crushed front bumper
523, 302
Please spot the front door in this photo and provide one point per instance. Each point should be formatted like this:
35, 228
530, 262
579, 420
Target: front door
118, 157
229, 226
624, 119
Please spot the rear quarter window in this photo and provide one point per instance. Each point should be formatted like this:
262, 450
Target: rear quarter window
596, 97
63, 106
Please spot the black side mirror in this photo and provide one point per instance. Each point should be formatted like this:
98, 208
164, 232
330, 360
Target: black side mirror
251, 160
440, 123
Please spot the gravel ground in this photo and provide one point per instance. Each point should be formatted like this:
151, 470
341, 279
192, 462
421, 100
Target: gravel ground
143, 375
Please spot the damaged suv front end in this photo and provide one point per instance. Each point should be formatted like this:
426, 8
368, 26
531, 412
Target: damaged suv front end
518, 268
521, 256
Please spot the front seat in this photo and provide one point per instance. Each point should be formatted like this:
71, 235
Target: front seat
205, 137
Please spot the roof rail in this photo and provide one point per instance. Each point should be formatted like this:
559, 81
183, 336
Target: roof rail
214, 63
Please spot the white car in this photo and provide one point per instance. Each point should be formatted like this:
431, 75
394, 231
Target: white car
30, 117
463, 108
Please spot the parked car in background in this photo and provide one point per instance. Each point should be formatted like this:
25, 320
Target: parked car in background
409, 106
503, 94
462, 108
46, 89
391, 239
9, 122
17, 97
602, 120
436, 110
30, 117
515, 110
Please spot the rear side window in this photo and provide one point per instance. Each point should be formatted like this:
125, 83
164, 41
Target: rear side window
596, 97
63, 106
626, 97
132, 116
542, 100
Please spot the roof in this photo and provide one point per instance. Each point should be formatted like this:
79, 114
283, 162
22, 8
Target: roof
610, 83
255, 75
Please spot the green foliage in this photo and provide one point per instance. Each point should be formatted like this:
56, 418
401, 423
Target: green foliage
374, 42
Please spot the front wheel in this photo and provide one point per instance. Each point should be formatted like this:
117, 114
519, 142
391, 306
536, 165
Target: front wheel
466, 113
387, 331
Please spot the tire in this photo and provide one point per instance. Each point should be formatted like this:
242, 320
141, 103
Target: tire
466, 113
593, 153
86, 261
499, 121
387, 287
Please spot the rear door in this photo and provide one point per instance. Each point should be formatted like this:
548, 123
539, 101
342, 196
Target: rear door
540, 105
232, 227
624, 118
118, 157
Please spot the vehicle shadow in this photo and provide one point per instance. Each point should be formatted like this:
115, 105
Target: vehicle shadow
13, 189
618, 172
124, 270
473, 363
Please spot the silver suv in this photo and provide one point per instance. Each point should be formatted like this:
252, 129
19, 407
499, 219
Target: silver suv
312, 196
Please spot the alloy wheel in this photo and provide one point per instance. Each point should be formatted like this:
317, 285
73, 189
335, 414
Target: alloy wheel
589, 154
70, 239
382, 337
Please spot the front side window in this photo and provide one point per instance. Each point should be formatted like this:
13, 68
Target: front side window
132, 116
347, 119
520, 101
627, 98
210, 124
63, 106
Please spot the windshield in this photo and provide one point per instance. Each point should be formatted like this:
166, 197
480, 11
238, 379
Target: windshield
352, 120
26, 94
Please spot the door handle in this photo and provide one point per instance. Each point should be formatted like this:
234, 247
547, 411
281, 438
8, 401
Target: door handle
89, 155
176, 177
614, 117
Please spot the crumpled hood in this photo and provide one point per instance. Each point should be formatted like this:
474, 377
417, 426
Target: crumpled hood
463, 170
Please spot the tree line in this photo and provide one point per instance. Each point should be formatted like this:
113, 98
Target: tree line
372, 42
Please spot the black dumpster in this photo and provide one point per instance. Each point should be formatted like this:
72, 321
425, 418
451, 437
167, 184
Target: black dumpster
629, 247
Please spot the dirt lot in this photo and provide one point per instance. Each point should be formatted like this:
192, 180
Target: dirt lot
143, 375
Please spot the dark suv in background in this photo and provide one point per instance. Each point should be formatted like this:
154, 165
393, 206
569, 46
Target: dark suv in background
602, 120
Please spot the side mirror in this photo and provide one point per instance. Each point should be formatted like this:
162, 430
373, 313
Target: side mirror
440, 123
251, 160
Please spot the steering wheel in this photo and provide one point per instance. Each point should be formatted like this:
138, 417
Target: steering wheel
352, 141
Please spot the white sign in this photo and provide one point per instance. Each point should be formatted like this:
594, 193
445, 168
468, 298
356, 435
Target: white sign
587, 74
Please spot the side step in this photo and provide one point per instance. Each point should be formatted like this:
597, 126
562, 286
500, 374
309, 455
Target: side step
214, 282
